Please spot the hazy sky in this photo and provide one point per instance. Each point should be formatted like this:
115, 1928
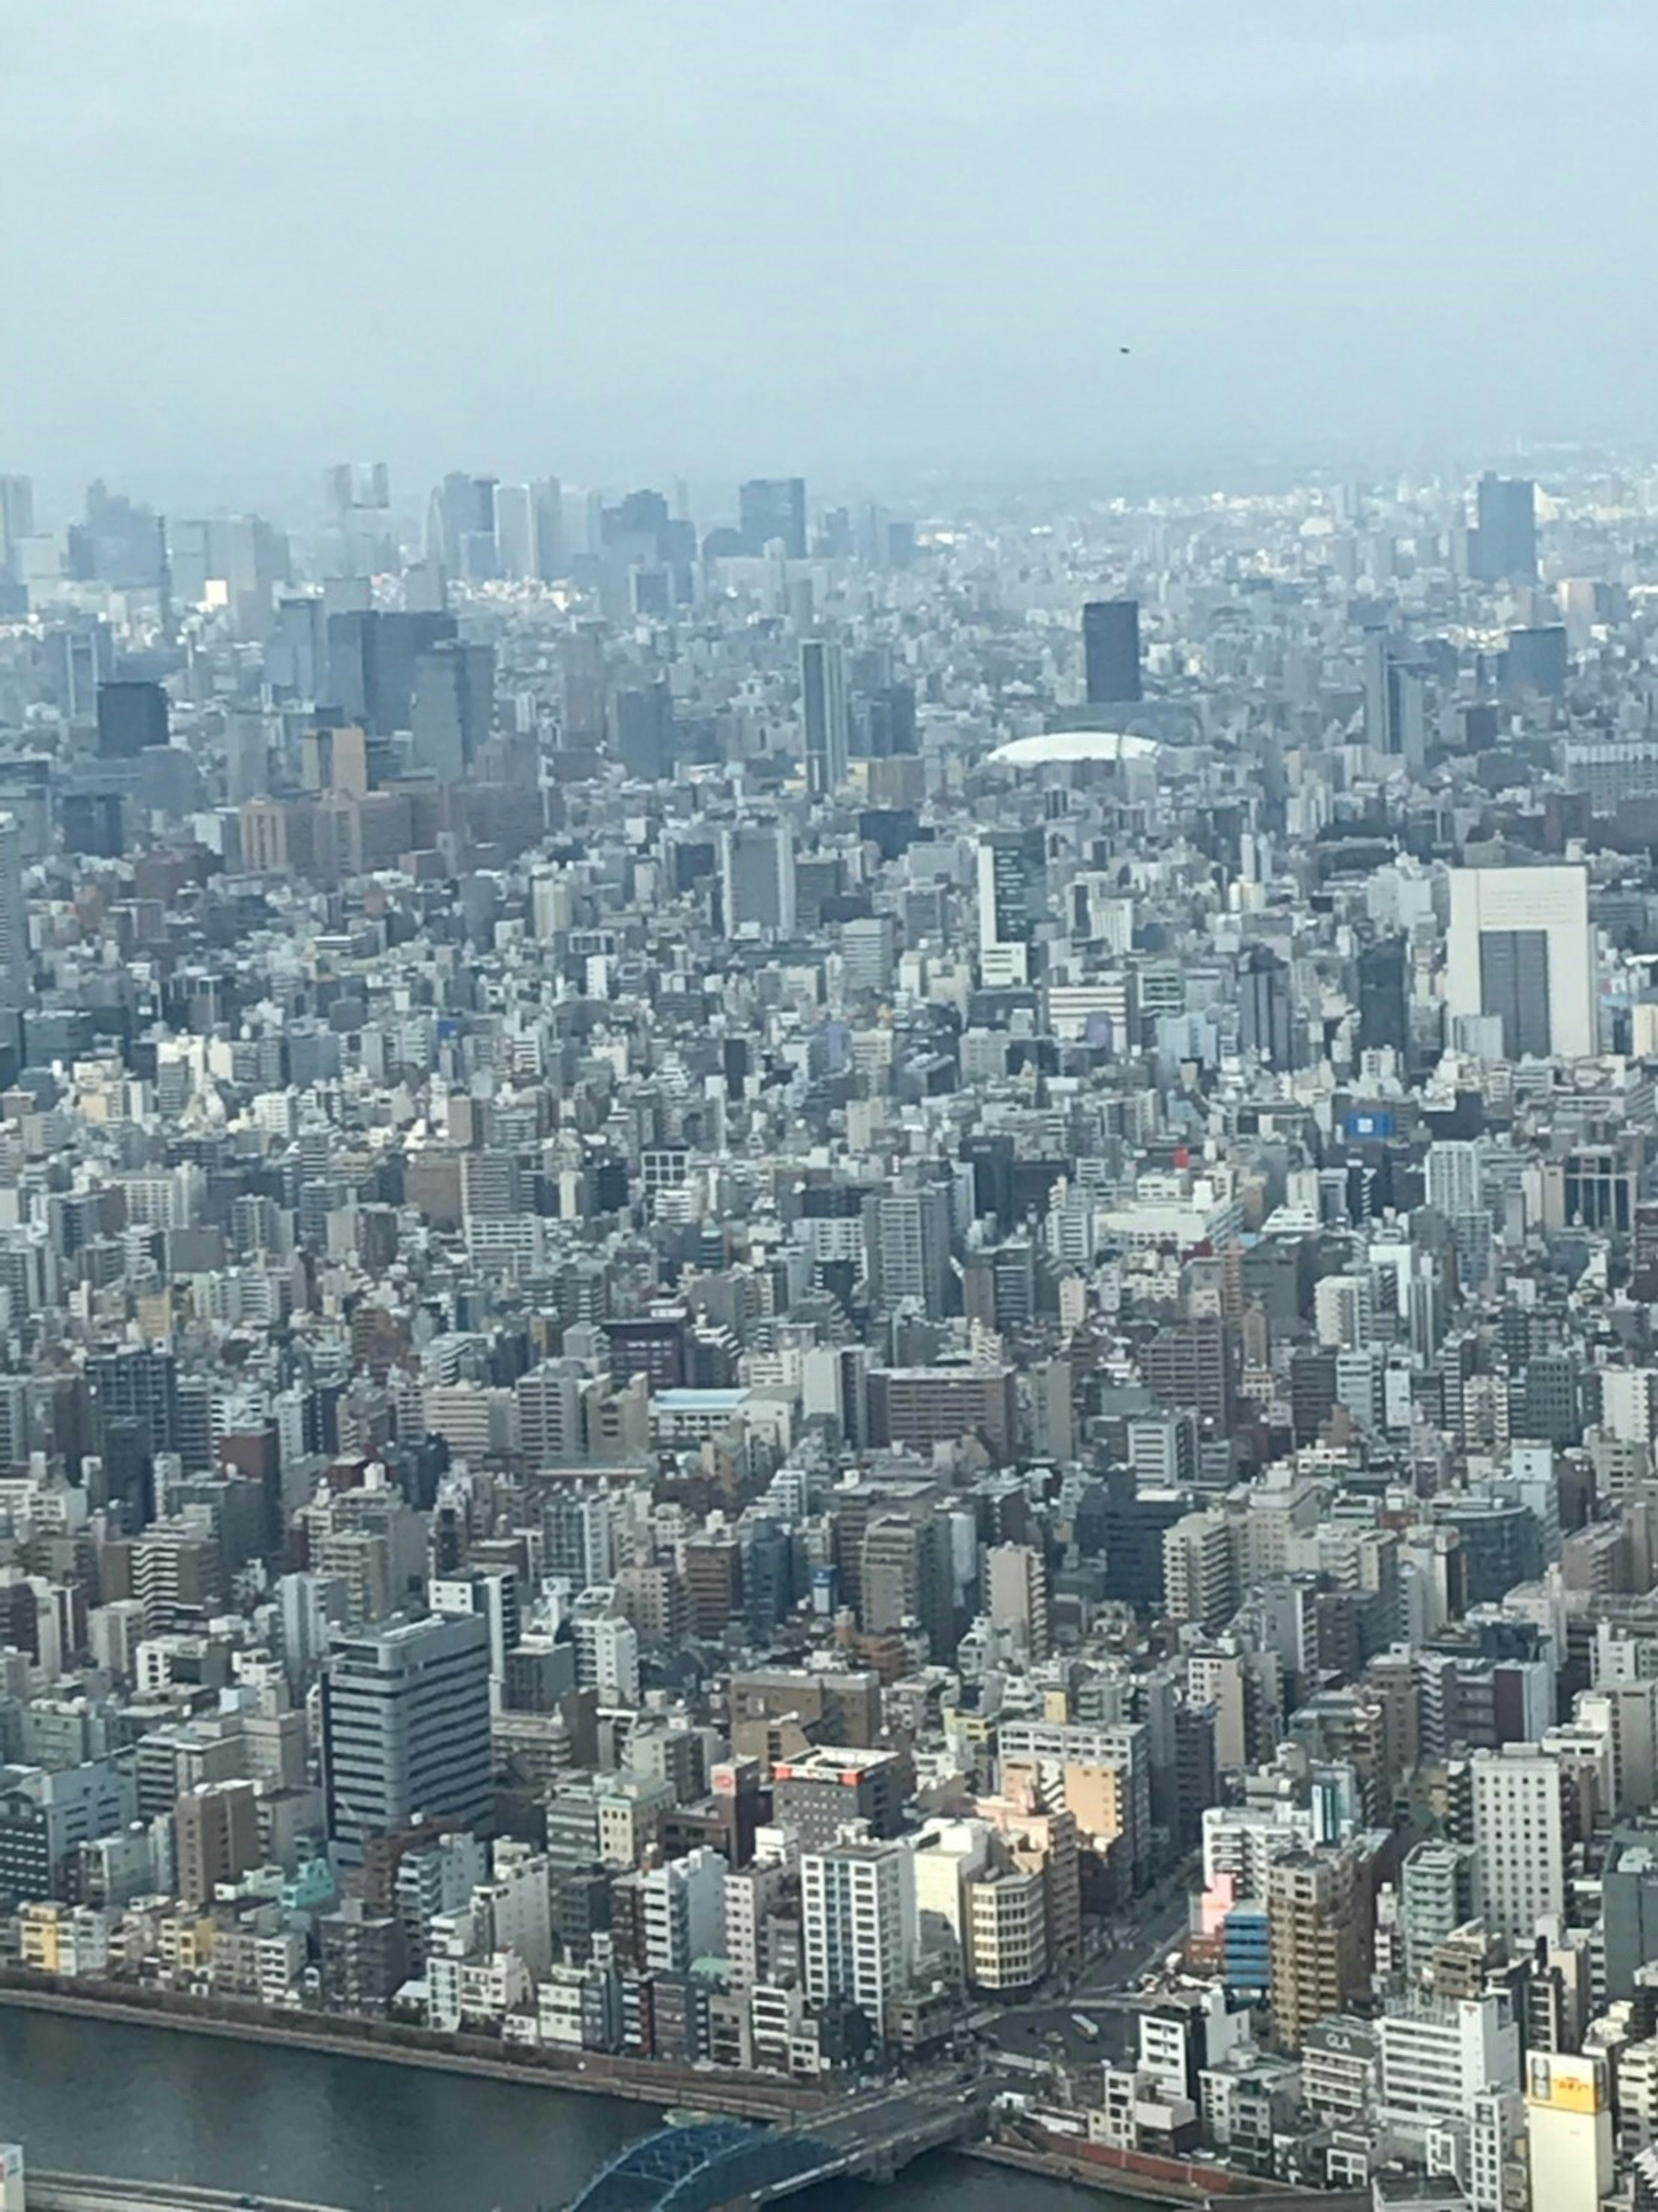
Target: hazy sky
617, 239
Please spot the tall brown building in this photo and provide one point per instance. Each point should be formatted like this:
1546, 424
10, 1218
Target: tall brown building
218, 1833
1314, 1940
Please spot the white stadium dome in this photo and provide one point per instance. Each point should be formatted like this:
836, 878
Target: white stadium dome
1057, 746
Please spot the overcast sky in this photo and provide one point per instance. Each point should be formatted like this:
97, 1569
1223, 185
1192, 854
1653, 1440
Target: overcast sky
616, 240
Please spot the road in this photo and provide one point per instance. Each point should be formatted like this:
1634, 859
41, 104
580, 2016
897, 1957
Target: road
1102, 1991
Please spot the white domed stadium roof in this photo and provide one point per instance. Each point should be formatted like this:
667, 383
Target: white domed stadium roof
1057, 746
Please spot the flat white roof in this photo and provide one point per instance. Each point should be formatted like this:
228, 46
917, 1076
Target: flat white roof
1060, 745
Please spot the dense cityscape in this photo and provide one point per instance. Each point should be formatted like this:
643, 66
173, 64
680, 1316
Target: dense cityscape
810, 1303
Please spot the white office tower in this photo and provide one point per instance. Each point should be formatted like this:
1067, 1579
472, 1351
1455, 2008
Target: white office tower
1518, 1835
1520, 952
606, 1648
1436, 2057
1569, 2125
1016, 1579
1343, 1307
12, 2195
684, 1911
14, 917
756, 878
858, 1908
1453, 1165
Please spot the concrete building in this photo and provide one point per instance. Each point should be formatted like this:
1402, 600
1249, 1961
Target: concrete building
406, 1730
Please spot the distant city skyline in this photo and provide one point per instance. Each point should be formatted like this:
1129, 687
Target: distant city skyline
621, 242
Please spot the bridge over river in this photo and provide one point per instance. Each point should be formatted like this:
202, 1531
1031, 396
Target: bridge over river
699, 2166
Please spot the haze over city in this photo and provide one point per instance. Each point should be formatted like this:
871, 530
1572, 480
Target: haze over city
867, 240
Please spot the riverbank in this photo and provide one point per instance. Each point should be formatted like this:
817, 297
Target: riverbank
644, 2081
330, 2127
1053, 2166
1121, 2174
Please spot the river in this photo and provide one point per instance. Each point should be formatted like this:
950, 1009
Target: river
95, 2097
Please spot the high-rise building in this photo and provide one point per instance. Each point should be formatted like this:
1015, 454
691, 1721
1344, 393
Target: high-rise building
1384, 1013
1111, 651
16, 520
1012, 902
1199, 1571
14, 917
1395, 702
773, 510
371, 657
1314, 1948
1630, 1919
1439, 1888
643, 720
131, 716
1017, 1592
453, 708
462, 527
1453, 1176
907, 1239
756, 878
823, 715
405, 1711
906, 1577
1537, 661
547, 514
515, 530
1520, 951
1519, 1834
1502, 548
1266, 1023
858, 1923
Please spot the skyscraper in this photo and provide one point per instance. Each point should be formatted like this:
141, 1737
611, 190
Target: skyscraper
405, 1712
823, 712
453, 708
1017, 1588
1537, 661
1012, 901
1521, 949
515, 542
1519, 1832
1503, 549
1315, 1948
16, 518
1395, 702
1384, 1001
643, 720
1266, 1007
372, 654
774, 508
130, 717
547, 513
756, 877
462, 530
14, 917
1111, 650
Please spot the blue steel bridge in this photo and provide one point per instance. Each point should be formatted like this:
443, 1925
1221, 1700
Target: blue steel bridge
700, 2166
